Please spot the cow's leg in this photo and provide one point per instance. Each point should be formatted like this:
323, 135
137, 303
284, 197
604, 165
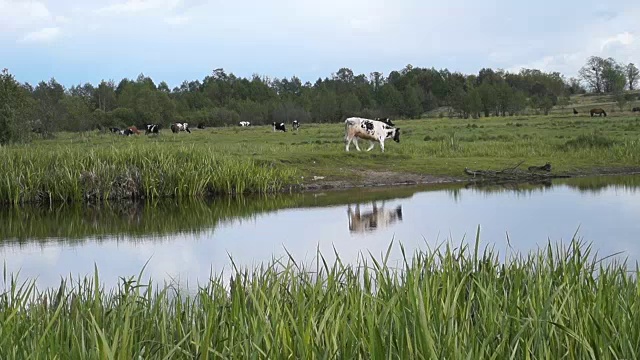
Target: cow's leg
347, 139
355, 142
371, 145
382, 145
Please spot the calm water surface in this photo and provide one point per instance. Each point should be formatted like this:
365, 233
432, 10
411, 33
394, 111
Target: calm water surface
185, 242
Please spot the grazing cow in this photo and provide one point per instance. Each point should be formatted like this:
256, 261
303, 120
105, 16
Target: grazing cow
200, 126
114, 130
386, 121
126, 132
636, 109
244, 123
575, 112
597, 111
152, 129
375, 219
177, 127
279, 126
367, 129
295, 125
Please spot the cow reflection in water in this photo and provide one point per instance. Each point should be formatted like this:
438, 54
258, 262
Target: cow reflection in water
377, 218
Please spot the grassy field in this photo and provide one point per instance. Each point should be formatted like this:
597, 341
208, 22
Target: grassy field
87, 166
556, 302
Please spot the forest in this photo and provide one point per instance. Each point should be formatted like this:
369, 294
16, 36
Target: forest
222, 99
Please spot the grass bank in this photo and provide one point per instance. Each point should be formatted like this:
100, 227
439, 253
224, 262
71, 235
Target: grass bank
439, 304
76, 167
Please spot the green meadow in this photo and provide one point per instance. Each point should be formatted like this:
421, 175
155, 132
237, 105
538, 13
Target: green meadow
230, 160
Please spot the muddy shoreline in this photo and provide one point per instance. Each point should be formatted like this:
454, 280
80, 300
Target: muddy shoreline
388, 178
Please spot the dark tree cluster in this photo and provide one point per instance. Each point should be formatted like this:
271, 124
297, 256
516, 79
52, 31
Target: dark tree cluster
222, 98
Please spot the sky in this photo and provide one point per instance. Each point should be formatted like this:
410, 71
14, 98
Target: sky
177, 40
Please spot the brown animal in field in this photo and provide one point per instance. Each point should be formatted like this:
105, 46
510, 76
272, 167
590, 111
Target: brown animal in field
597, 111
134, 130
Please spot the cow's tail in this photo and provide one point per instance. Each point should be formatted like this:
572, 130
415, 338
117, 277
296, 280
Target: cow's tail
347, 124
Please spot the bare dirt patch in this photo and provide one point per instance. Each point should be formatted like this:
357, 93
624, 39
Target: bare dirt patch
370, 178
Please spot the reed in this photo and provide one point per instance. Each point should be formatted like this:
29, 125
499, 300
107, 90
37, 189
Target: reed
131, 171
446, 303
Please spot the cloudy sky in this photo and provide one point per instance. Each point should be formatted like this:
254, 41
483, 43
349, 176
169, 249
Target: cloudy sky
176, 40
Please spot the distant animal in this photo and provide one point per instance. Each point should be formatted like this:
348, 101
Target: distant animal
126, 132
152, 129
114, 129
133, 130
177, 127
575, 112
636, 109
279, 126
367, 129
597, 111
545, 167
295, 125
386, 121
244, 123
377, 218
200, 126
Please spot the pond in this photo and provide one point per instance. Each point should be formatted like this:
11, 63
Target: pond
185, 242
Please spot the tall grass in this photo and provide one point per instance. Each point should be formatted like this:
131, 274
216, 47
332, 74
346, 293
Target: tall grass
446, 303
131, 171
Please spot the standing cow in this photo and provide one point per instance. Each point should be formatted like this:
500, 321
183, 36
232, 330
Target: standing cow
244, 123
367, 129
279, 126
177, 127
152, 129
295, 125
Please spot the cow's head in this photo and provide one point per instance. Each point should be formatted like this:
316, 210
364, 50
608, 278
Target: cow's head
395, 133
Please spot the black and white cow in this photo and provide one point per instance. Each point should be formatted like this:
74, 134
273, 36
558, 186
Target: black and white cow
126, 132
177, 127
244, 123
279, 126
152, 129
295, 125
114, 130
386, 121
373, 130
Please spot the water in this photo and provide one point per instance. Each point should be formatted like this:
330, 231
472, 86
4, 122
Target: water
184, 242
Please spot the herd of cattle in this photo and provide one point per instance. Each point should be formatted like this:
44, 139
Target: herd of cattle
377, 130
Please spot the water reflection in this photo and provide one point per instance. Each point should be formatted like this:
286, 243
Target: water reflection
190, 240
377, 218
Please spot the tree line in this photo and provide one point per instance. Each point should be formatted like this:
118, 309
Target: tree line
222, 98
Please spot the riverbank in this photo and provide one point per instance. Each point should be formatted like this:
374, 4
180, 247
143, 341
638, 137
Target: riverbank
96, 166
441, 303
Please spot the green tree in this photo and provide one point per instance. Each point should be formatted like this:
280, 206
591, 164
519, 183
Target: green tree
13, 108
413, 102
488, 97
632, 73
349, 105
591, 73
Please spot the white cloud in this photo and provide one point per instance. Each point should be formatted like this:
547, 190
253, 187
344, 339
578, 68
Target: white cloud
137, 6
624, 39
62, 19
177, 20
20, 14
43, 35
